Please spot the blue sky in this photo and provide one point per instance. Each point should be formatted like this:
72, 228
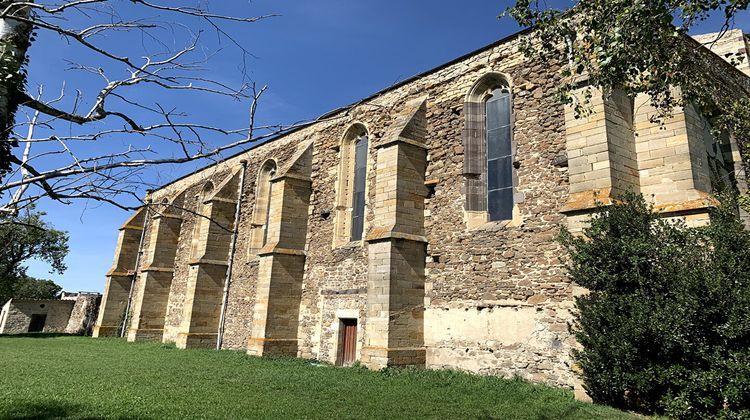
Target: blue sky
318, 55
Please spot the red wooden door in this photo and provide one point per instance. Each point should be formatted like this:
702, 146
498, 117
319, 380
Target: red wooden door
348, 341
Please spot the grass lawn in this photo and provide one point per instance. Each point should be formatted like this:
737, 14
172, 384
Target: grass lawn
83, 378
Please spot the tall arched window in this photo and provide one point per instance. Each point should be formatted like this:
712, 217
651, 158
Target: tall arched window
351, 191
360, 175
489, 176
499, 155
262, 208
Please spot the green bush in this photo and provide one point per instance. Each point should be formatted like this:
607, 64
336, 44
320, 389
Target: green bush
666, 325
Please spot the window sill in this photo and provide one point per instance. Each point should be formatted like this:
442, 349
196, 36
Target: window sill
496, 225
478, 221
349, 245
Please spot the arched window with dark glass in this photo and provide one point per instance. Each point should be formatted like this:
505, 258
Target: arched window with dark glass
269, 172
499, 154
490, 179
358, 190
351, 198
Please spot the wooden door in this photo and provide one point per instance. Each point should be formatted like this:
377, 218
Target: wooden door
348, 341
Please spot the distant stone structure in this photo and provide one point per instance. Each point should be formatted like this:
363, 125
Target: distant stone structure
73, 313
414, 228
84, 312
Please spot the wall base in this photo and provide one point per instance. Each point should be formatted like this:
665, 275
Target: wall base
196, 341
143, 334
376, 358
106, 331
271, 347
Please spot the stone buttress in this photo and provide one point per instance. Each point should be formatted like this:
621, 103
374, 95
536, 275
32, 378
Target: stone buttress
120, 277
619, 146
208, 265
397, 246
282, 260
149, 307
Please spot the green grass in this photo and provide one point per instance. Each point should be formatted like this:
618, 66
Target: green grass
61, 376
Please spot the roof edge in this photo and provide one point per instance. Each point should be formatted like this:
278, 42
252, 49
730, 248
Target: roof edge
336, 111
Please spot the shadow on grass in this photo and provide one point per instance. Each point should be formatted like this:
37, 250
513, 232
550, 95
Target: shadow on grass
53, 410
37, 335
44, 410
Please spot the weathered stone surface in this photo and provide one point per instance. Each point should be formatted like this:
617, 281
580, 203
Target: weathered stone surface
433, 282
15, 317
83, 314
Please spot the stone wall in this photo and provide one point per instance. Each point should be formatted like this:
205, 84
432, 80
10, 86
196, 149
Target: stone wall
83, 314
17, 313
485, 267
430, 284
732, 46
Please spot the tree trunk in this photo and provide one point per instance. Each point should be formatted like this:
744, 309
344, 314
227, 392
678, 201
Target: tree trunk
15, 38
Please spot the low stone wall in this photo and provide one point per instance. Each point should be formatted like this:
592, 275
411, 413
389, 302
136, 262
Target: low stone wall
83, 315
17, 315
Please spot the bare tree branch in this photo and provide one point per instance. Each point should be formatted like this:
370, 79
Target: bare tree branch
97, 141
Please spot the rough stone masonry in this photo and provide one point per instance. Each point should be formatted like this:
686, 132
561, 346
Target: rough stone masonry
72, 313
383, 215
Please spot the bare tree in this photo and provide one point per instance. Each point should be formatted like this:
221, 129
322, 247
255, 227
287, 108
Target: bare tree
40, 157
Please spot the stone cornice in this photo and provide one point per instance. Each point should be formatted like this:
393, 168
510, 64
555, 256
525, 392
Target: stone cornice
220, 200
387, 233
700, 204
400, 140
114, 273
587, 200
158, 269
203, 261
291, 175
274, 249
166, 216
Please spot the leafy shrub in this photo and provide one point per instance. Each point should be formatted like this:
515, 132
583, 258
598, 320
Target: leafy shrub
666, 325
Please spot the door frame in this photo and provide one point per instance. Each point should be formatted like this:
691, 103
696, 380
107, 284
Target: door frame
340, 343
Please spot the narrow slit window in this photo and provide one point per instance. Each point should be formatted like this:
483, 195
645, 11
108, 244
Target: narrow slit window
262, 209
266, 222
358, 197
202, 219
499, 155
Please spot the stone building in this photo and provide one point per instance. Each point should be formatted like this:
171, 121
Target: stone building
413, 228
73, 313
84, 313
